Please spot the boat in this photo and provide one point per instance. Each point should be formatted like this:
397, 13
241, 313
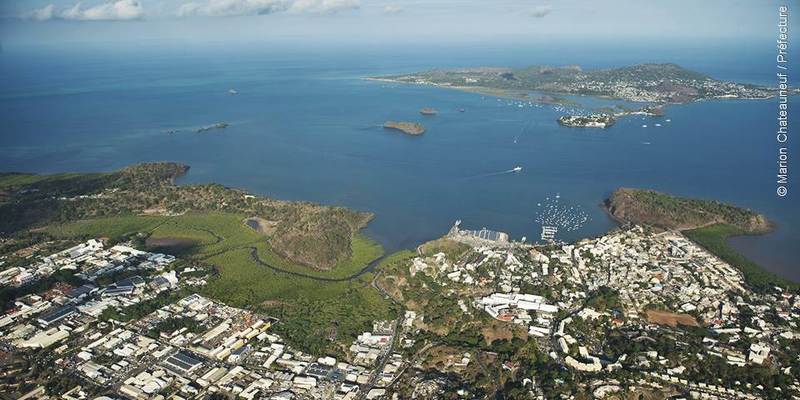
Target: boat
428, 111
516, 169
233, 91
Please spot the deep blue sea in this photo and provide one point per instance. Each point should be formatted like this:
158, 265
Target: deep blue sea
305, 126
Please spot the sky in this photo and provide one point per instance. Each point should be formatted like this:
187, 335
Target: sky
126, 22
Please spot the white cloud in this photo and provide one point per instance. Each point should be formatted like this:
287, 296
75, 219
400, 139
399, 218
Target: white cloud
541, 11
324, 6
229, 8
42, 14
120, 10
392, 9
117, 10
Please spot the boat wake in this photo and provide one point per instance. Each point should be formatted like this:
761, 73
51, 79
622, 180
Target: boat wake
369, 127
508, 171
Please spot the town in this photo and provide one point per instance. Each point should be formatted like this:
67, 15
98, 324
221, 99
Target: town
651, 292
626, 308
112, 338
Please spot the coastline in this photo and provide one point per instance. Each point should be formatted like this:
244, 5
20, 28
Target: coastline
522, 94
715, 238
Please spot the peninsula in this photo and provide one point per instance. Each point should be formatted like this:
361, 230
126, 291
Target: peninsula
307, 234
649, 207
708, 223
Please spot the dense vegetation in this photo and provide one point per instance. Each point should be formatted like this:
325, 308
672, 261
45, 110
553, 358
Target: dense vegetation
604, 299
314, 314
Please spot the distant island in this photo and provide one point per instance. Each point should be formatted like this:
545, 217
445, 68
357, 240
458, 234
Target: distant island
587, 121
409, 128
647, 83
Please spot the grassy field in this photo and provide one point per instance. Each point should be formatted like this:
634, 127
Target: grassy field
183, 228
113, 227
9, 180
714, 239
214, 232
316, 315
452, 249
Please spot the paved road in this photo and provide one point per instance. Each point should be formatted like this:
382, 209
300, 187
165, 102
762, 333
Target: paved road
395, 338
382, 363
